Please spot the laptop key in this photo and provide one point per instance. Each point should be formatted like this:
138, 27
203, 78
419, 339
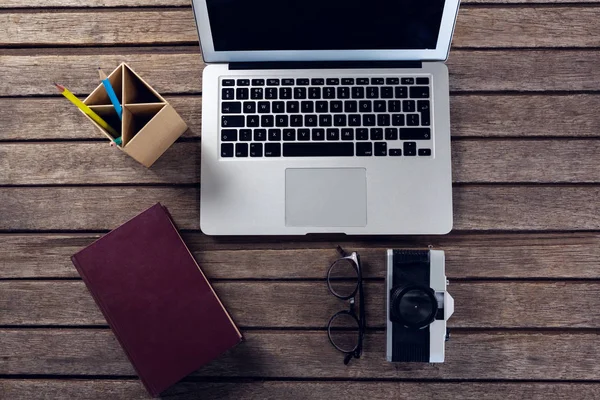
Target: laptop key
252, 121
412, 119
415, 133
339, 149
322, 106
241, 149
364, 149
245, 135
296, 120
419, 92
299, 93
303, 134
423, 105
398, 119
242, 93
256, 149
391, 133
232, 121
243, 82
227, 150
339, 120
362, 134
264, 107
425, 118
267, 121
424, 152
423, 81
272, 82
274, 135
350, 106
395, 152
256, 93
376, 134
281, 121
372, 92
287, 82
376, 81
318, 134
379, 106
358, 92
347, 134
228, 82
354, 120
307, 106
317, 81
302, 81
362, 81
289, 135
407, 81
227, 94
383, 119
278, 107
260, 135
392, 81
228, 135
387, 92
310, 120
314, 93
285, 93
333, 134
343, 92
292, 107
364, 106
410, 148
381, 149
369, 119
333, 81
271, 94
325, 120
328, 93
401, 92
272, 150
258, 82
408, 106
394, 106
249, 107
231, 107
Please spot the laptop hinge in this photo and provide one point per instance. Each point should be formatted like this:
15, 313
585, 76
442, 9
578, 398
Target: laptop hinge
324, 65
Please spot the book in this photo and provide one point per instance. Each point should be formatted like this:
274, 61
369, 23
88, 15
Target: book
156, 299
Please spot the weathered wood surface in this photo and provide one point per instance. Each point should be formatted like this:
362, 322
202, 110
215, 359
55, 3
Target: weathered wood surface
496, 115
178, 70
476, 27
524, 259
476, 207
473, 161
85, 389
276, 305
308, 354
468, 256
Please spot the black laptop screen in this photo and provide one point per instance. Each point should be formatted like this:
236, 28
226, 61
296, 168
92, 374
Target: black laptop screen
244, 25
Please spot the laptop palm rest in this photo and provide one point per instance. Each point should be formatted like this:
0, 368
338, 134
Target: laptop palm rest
326, 197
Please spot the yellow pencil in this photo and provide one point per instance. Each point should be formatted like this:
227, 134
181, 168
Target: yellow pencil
88, 111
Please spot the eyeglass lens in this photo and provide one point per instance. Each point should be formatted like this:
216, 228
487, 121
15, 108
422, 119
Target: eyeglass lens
344, 332
343, 278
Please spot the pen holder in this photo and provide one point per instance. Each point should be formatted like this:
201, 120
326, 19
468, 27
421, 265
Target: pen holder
149, 124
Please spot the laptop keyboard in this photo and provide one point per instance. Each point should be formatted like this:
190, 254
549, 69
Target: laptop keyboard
325, 117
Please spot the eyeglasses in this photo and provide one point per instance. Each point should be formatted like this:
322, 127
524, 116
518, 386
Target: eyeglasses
345, 329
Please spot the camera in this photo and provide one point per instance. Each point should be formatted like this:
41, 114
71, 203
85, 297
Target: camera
418, 306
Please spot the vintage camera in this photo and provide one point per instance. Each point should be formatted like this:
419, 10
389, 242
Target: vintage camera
418, 306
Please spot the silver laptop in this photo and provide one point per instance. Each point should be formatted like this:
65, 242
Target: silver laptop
325, 116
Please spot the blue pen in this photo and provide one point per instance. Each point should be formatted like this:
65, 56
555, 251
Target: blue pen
111, 93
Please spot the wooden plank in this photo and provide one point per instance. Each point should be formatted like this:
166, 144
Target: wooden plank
179, 70
480, 27
308, 354
476, 207
278, 304
473, 161
491, 256
471, 116
83, 389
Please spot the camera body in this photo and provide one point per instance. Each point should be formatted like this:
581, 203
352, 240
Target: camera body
418, 306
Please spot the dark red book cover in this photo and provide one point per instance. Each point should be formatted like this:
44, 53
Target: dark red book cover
157, 301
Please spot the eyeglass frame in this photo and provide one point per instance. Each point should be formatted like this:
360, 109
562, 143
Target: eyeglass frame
360, 318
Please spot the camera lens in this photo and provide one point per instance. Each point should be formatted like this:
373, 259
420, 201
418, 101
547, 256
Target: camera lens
414, 307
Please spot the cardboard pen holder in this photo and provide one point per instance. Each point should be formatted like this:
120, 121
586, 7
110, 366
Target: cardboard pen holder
149, 125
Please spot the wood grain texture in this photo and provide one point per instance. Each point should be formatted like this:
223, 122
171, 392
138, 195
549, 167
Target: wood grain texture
473, 161
479, 27
468, 256
476, 207
282, 354
83, 389
179, 70
276, 305
471, 116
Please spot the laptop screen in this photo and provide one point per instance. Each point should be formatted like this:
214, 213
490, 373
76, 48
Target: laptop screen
255, 25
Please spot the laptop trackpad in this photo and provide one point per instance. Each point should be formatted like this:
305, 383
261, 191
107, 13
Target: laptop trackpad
326, 197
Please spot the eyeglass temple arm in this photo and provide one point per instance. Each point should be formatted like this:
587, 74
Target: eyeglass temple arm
341, 251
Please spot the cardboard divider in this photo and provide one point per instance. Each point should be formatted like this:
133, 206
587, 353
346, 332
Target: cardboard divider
136, 91
136, 117
109, 114
100, 97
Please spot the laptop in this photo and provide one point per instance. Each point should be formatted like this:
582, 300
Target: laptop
325, 116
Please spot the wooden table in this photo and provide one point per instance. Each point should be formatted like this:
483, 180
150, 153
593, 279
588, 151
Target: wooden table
523, 259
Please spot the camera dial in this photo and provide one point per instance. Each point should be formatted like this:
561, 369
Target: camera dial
413, 306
